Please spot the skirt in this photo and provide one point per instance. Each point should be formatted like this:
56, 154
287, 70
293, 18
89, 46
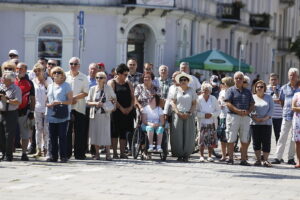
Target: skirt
208, 136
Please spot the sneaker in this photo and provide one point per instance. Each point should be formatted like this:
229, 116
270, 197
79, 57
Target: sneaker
24, 157
201, 159
150, 150
159, 150
8, 158
291, 162
244, 163
276, 161
51, 160
210, 159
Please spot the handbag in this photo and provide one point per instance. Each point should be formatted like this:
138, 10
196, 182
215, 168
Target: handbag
107, 106
60, 111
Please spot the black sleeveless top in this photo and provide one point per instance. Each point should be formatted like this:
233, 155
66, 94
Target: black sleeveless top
123, 94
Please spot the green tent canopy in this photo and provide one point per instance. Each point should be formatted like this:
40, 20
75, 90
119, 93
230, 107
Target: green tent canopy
216, 60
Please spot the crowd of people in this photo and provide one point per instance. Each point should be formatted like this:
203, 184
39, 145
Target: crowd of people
59, 114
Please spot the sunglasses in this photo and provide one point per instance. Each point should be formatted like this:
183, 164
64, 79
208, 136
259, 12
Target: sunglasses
12, 55
183, 79
260, 87
73, 64
53, 64
8, 69
245, 82
132, 64
57, 72
100, 77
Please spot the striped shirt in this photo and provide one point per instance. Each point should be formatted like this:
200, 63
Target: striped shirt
241, 99
274, 93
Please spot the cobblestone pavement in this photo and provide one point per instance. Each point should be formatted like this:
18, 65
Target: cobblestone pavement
137, 179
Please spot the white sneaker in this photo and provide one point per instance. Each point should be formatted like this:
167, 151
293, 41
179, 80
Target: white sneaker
201, 159
210, 159
150, 149
159, 150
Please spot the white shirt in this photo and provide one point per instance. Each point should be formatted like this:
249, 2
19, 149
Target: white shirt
195, 84
210, 106
153, 115
41, 94
79, 84
224, 109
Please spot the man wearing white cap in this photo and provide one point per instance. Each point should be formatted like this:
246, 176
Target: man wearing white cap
13, 54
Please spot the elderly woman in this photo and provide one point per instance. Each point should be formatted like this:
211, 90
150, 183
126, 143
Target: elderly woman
183, 119
41, 124
10, 99
227, 83
59, 93
122, 118
144, 92
99, 129
261, 123
296, 125
208, 110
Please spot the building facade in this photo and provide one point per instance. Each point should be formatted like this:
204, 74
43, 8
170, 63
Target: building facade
258, 31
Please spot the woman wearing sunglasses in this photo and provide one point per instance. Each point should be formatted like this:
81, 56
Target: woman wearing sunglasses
261, 123
41, 125
183, 120
59, 93
99, 129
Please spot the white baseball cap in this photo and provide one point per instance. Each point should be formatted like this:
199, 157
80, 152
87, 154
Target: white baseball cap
13, 52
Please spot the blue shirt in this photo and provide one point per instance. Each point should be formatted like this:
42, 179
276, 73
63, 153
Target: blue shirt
241, 99
92, 81
286, 94
57, 93
277, 113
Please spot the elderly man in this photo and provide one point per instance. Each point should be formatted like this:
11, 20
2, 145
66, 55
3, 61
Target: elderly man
133, 76
195, 84
93, 69
286, 95
240, 103
11, 98
26, 108
80, 86
164, 82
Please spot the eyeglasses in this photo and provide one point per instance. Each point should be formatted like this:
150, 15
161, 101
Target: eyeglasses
8, 69
53, 64
132, 64
57, 72
238, 78
260, 87
183, 79
73, 64
100, 77
148, 69
245, 82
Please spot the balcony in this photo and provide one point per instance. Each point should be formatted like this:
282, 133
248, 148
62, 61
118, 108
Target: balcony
259, 22
284, 43
287, 2
228, 13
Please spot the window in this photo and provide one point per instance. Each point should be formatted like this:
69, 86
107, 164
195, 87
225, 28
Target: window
50, 43
226, 46
218, 44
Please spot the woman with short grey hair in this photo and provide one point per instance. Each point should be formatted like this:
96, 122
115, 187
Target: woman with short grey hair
208, 110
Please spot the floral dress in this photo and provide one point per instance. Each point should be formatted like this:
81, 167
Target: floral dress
144, 95
296, 119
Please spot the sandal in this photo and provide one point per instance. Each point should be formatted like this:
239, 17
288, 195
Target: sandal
115, 156
96, 158
108, 158
123, 156
267, 164
257, 163
297, 166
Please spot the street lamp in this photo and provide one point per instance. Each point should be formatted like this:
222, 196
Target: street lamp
240, 57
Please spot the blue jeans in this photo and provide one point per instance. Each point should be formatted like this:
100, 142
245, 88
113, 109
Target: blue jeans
58, 133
